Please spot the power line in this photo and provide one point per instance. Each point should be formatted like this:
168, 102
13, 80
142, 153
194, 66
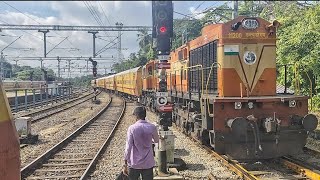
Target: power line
184, 15
35, 21
27, 32
104, 13
200, 5
106, 18
20, 12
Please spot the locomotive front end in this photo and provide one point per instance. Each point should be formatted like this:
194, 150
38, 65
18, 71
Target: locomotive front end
250, 119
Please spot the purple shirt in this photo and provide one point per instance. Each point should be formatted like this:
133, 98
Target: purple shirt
138, 152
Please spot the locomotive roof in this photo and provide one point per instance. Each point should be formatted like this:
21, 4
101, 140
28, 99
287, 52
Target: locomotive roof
129, 70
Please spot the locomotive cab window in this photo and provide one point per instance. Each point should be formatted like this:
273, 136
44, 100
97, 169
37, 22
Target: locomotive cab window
150, 70
144, 72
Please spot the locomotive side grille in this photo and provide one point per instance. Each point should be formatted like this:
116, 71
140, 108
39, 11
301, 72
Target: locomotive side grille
205, 55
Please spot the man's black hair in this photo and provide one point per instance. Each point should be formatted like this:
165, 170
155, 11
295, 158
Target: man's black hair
140, 112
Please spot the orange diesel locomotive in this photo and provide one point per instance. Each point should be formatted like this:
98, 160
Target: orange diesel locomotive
223, 87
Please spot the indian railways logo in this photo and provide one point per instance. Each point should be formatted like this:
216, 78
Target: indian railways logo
249, 57
250, 23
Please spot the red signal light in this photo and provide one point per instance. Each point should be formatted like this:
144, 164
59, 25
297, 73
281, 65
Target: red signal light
163, 29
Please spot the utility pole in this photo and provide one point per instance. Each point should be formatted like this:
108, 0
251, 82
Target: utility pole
235, 9
119, 25
1, 66
105, 71
2, 57
44, 41
16, 60
69, 62
59, 60
93, 42
41, 62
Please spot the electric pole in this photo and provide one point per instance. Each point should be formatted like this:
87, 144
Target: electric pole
69, 62
93, 42
119, 25
59, 60
235, 9
1, 65
44, 41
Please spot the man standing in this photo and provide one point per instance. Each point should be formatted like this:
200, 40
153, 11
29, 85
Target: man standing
139, 153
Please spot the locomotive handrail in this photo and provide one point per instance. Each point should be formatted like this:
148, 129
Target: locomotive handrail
191, 67
310, 90
212, 65
297, 84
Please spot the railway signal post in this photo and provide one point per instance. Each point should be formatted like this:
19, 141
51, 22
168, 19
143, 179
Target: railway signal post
162, 32
94, 71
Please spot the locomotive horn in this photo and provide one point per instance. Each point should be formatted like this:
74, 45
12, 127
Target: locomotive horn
272, 27
276, 23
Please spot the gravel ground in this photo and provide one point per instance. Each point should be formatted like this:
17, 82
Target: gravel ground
45, 106
85, 145
110, 165
199, 162
53, 129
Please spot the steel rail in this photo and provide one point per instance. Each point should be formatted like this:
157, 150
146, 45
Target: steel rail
61, 110
45, 101
55, 106
231, 164
300, 167
28, 169
104, 145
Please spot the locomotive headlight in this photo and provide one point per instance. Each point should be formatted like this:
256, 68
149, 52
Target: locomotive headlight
292, 103
250, 105
237, 105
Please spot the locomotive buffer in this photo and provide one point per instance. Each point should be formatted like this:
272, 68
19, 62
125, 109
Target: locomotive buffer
162, 31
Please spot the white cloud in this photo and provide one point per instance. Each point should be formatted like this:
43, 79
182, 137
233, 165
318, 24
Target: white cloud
196, 13
76, 13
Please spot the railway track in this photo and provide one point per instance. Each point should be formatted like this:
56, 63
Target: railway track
76, 155
47, 112
39, 103
290, 167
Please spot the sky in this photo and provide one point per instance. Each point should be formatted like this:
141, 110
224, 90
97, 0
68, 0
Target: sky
77, 13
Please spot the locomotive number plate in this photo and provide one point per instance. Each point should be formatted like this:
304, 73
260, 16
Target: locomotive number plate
163, 94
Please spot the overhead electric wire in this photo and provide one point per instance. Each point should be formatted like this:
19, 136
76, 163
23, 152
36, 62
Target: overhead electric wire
199, 5
184, 15
104, 13
97, 18
20, 11
102, 49
28, 33
36, 22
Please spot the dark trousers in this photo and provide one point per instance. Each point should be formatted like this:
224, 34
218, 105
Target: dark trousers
147, 174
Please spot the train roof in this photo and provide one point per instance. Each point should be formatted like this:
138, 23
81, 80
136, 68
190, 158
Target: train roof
128, 71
